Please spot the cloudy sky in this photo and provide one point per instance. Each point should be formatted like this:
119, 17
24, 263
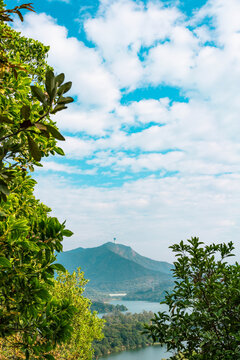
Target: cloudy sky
152, 140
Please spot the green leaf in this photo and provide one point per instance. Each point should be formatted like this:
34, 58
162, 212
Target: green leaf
64, 88
4, 262
55, 133
50, 83
59, 151
4, 188
58, 108
25, 112
34, 150
40, 126
37, 92
60, 79
43, 294
5, 119
67, 233
65, 100
59, 267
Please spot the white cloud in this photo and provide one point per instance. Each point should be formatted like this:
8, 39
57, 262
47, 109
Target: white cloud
148, 214
94, 122
92, 83
137, 46
122, 29
77, 148
64, 168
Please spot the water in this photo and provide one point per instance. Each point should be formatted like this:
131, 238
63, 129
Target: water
148, 353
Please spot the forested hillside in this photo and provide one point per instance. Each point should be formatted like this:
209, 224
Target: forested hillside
122, 332
114, 267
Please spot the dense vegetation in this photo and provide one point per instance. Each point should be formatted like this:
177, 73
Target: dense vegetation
122, 332
34, 317
86, 326
204, 306
102, 307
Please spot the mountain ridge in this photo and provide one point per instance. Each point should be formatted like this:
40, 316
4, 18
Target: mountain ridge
114, 267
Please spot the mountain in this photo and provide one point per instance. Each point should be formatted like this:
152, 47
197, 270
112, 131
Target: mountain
128, 253
118, 268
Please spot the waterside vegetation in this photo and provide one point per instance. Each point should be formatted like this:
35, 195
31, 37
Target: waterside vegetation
123, 332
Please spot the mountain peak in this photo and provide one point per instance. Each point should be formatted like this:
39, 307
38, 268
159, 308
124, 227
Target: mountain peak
116, 267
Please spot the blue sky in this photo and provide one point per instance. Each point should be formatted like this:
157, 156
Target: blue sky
152, 140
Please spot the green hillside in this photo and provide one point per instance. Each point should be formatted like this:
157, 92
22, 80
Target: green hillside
128, 253
118, 268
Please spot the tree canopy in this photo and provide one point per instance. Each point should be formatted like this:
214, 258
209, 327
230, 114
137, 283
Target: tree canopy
34, 318
204, 307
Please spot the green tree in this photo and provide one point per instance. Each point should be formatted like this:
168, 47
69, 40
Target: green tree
32, 321
31, 318
28, 96
204, 307
87, 327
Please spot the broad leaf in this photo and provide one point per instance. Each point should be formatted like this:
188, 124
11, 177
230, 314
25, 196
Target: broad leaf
3, 187
59, 267
50, 83
34, 150
67, 233
58, 108
65, 100
55, 133
41, 126
60, 79
25, 112
43, 294
59, 151
37, 92
65, 88
4, 262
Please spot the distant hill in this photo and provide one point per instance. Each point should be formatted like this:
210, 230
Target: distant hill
128, 253
115, 267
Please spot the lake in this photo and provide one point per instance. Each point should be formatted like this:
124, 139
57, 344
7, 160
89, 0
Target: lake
148, 353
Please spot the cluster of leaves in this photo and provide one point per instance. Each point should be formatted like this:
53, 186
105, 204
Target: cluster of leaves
32, 319
28, 239
5, 16
204, 308
87, 327
27, 132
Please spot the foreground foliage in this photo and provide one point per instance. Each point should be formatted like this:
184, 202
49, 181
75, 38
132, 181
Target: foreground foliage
28, 239
33, 318
123, 332
204, 308
87, 327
